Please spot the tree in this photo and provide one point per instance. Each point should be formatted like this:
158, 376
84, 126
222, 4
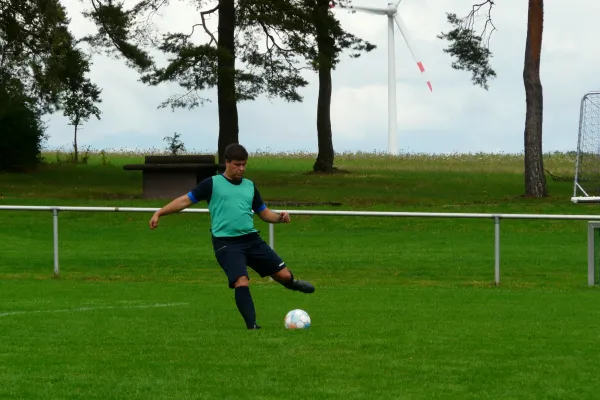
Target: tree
81, 95
535, 179
472, 54
21, 127
317, 37
79, 106
331, 40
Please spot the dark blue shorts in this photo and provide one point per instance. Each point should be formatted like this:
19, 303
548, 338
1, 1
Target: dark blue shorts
236, 254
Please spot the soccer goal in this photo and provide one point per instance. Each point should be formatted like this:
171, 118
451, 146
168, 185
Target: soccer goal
587, 165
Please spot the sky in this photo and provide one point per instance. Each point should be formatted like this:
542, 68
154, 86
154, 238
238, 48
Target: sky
457, 117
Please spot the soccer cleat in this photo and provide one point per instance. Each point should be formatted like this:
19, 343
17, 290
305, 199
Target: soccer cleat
302, 286
254, 327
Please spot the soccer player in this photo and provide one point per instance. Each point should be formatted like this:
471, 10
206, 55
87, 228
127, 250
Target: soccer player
236, 242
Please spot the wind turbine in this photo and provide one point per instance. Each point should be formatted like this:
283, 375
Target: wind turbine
392, 14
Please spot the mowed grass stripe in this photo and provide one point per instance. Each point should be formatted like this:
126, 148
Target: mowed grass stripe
391, 343
328, 250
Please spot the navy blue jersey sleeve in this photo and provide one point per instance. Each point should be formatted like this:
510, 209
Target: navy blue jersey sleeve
258, 205
201, 192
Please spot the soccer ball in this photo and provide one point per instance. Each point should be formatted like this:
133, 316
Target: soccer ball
297, 319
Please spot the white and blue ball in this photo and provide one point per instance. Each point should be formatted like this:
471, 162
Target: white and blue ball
297, 319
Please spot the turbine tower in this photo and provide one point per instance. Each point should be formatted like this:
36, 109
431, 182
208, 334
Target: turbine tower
392, 15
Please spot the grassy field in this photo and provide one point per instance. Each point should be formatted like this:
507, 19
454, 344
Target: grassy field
405, 308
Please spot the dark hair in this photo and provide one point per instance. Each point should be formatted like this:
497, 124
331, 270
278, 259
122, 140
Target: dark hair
235, 152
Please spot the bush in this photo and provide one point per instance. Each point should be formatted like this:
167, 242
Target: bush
21, 130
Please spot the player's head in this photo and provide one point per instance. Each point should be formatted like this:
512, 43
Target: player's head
236, 157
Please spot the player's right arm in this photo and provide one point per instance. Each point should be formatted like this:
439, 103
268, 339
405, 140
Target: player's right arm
201, 192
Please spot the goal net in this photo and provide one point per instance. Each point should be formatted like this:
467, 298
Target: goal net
587, 167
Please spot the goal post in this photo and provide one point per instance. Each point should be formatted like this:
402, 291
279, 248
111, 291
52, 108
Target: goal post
587, 165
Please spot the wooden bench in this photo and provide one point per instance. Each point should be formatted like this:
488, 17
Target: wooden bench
167, 177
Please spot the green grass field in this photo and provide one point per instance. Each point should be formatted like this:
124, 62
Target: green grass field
405, 308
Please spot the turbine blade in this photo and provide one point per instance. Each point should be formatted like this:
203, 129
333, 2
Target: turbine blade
397, 3
370, 10
403, 31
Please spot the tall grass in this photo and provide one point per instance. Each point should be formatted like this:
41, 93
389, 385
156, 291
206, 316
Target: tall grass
556, 163
368, 180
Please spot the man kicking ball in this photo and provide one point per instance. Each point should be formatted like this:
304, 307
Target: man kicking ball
231, 199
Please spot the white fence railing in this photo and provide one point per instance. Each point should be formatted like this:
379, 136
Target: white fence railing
495, 217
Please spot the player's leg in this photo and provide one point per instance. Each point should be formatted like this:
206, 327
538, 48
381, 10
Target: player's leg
266, 262
244, 303
233, 262
285, 277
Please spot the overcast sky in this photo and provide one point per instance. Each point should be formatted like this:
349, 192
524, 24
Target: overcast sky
456, 117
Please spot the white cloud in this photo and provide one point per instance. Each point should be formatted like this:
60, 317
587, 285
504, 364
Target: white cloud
457, 116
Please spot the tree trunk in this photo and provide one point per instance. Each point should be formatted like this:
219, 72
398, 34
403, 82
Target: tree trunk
324, 162
76, 156
226, 93
535, 179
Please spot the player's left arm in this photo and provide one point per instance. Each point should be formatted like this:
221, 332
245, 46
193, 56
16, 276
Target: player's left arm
272, 217
266, 214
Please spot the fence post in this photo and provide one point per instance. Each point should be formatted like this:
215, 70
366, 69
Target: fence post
497, 250
55, 236
591, 253
271, 240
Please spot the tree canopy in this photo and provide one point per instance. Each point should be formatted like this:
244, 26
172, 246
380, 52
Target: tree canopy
264, 67
470, 45
37, 48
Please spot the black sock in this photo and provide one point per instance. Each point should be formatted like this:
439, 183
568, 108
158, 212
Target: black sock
289, 284
245, 305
